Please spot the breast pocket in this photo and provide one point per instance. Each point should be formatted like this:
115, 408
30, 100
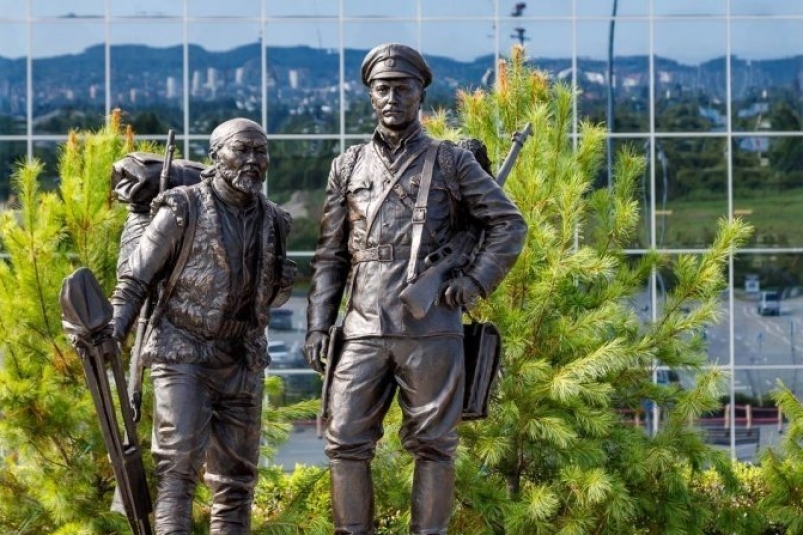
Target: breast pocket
358, 197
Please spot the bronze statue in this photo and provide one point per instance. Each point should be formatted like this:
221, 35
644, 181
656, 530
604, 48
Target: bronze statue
215, 251
400, 195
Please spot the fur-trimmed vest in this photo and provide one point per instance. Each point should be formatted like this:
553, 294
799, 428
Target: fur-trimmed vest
192, 327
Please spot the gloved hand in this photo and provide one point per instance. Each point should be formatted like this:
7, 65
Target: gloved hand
460, 292
315, 348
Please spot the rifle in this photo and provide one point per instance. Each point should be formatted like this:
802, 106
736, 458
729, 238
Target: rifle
136, 370
419, 295
85, 318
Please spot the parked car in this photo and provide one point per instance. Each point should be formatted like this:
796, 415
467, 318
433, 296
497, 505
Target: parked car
281, 320
283, 356
769, 303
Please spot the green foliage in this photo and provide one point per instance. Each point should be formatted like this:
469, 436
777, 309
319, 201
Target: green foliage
55, 476
576, 354
54, 473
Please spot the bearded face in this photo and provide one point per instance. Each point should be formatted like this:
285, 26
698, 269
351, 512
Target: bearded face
243, 161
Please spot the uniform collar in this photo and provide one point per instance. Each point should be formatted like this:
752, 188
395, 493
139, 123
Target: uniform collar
382, 137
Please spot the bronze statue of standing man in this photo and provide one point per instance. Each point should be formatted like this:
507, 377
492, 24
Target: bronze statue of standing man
368, 234
215, 248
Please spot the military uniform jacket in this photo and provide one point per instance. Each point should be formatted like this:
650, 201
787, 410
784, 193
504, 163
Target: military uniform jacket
364, 244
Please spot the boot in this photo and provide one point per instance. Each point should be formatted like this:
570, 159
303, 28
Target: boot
352, 497
433, 493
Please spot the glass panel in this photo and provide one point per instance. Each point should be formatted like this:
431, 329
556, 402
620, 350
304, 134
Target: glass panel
768, 188
689, 7
765, 7
764, 69
302, 8
466, 67
630, 74
690, 81
626, 8
361, 8
145, 8
13, 71
68, 76
360, 37
303, 66
198, 151
690, 191
48, 153
11, 154
299, 166
147, 75
768, 318
229, 8
67, 10
465, 8
225, 75
13, 9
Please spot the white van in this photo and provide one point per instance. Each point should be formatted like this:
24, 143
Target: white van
769, 304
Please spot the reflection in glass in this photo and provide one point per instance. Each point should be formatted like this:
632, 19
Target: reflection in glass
147, 80
465, 8
48, 153
303, 70
624, 8
360, 37
11, 154
466, 67
67, 10
225, 75
765, 7
145, 8
13, 10
690, 190
361, 8
68, 76
690, 81
13, 71
764, 69
630, 74
296, 179
768, 186
689, 7
229, 8
302, 8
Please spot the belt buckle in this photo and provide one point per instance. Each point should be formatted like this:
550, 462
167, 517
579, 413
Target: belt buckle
384, 252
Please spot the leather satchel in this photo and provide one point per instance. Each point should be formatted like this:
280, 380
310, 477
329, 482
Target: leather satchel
482, 347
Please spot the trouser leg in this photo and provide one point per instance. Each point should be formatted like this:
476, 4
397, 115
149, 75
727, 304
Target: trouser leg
430, 377
233, 454
180, 433
361, 392
352, 497
433, 493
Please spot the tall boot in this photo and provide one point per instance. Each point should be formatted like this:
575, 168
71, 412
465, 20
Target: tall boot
352, 497
433, 493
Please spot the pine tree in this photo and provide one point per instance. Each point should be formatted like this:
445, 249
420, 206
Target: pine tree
54, 476
556, 454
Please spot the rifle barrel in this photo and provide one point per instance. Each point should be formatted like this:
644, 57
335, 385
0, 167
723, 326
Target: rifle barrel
518, 141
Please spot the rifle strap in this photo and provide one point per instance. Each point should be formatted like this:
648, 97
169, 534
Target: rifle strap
420, 208
186, 246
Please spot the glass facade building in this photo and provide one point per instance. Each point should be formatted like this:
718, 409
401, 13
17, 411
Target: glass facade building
710, 91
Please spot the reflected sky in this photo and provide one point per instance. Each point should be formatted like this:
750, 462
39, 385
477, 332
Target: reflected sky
67, 25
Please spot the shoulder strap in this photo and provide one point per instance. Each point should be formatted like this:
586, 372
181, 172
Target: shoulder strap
186, 245
420, 208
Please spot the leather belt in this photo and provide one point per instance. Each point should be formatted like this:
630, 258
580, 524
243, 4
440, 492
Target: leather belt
381, 253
